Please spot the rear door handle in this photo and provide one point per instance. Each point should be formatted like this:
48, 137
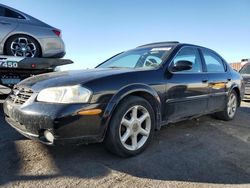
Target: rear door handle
205, 81
229, 79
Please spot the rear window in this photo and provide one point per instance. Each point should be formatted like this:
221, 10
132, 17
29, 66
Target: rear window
10, 13
1, 11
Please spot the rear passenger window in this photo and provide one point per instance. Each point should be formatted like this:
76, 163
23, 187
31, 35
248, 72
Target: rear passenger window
1, 11
213, 62
11, 14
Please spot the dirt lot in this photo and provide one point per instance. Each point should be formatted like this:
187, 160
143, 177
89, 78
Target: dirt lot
196, 153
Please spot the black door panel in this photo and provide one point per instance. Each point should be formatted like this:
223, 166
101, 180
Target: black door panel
185, 99
218, 80
186, 91
218, 88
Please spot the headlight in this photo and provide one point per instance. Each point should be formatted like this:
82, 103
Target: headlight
67, 94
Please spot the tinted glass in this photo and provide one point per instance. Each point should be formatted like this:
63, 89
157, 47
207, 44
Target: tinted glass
1, 11
192, 55
245, 69
126, 61
11, 14
138, 58
213, 62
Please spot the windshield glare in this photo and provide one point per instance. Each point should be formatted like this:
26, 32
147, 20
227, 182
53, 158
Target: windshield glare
138, 58
245, 69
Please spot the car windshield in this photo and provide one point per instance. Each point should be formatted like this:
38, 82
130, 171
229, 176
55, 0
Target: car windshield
138, 58
245, 69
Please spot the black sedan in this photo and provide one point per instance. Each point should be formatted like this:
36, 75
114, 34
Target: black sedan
125, 99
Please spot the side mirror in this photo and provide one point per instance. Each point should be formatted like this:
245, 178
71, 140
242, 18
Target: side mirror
182, 65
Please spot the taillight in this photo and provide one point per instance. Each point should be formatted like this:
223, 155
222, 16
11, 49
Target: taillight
33, 66
57, 32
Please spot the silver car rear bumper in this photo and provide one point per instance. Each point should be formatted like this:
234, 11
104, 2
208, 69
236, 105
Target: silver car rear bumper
52, 47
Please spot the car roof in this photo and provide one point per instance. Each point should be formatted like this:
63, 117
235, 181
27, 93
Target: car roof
27, 16
159, 44
167, 44
173, 44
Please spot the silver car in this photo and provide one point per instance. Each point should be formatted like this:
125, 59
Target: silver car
23, 35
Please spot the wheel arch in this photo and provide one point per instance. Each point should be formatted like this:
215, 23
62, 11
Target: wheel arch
139, 90
237, 90
26, 34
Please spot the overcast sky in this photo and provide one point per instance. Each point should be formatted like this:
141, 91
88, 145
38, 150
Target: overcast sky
94, 30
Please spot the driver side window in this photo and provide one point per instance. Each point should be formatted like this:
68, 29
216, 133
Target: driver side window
192, 55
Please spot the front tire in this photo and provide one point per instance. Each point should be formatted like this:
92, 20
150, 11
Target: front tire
22, 46
131, 128
230, 108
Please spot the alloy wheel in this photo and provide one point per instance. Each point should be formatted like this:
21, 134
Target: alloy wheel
23, 47
231, 105
135, 128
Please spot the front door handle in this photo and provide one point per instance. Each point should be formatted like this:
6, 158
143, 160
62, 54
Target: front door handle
205, 81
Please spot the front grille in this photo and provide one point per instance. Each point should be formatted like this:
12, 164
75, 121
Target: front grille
20, 95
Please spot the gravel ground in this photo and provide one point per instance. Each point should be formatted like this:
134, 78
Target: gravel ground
196, 153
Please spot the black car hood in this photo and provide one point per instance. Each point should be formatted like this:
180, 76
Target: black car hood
67, 78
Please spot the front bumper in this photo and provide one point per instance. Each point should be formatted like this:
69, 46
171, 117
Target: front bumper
33, 119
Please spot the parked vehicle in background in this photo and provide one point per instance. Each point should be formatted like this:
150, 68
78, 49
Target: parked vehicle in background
125, 99
238, 65
245, 73
15, 69
23, 35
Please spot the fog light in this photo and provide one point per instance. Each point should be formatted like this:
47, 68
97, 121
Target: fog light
49, 136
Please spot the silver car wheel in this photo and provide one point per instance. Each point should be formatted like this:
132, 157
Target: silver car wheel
135, 128
23, 47
231, 105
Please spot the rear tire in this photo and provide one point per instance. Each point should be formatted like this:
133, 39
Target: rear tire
131, 128
22, 46
230, 108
